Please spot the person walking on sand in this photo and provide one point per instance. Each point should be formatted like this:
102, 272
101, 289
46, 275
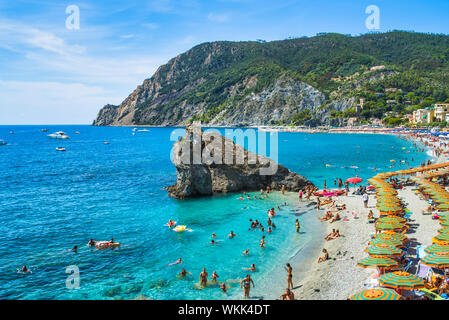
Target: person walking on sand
365, 199
246, 283
289, 275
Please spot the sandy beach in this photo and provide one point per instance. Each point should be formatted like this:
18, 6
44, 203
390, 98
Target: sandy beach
339, 277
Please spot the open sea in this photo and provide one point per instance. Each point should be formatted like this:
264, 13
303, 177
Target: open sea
51, 201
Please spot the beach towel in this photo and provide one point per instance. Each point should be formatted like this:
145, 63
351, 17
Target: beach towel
423, 271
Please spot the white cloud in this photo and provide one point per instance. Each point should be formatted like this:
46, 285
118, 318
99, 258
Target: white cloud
50, 102
150, 25
218, 17
127, 36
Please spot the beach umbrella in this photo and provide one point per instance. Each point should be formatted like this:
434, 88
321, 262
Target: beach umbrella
354, 180
444, 223
391, 242
391, 235
391, 219
376, 294
384, 250
401, 280
436, 261
390, 226
383, 263
441, 237
443, 230
437, 248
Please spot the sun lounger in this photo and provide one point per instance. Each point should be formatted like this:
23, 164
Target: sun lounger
407, 266
430, 294
423, 271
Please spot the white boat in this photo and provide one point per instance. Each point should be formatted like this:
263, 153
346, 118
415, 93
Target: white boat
144, 130
58, 135
3, 143
60, 149
135, 129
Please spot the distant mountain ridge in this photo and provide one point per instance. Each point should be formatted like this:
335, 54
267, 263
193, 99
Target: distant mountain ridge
314, 80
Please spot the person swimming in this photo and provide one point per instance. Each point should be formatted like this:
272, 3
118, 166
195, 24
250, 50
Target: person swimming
262, 242
223, 287
184, 273
24, 270
252, 268
91, 243
246, 252
231, 234
74, 249
179, 261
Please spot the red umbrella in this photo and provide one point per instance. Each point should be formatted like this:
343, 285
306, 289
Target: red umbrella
354, 180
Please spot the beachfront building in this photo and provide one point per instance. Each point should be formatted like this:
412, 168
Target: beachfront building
441, 112
430, 115
419, 116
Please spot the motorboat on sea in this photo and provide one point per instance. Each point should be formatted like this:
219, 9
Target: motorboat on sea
135, 129
60, 149
58, 135
44, 130
3, 143
144, 130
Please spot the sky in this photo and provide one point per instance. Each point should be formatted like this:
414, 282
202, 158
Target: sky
54, 71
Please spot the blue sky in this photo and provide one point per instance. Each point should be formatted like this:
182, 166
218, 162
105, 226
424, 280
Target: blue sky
52, 75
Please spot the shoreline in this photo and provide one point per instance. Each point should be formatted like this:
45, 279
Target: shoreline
339, 277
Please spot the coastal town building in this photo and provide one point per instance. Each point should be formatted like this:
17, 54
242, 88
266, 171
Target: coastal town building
442, 112
419, 115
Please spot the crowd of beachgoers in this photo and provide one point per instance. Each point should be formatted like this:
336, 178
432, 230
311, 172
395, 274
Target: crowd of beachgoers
384, 241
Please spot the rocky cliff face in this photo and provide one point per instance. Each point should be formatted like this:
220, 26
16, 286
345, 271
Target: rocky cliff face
224, 166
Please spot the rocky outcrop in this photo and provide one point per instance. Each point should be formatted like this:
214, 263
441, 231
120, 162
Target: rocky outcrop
208, 163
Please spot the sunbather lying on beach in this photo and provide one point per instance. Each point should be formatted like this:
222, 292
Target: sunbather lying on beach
333, 235
328, 216
336, 218
325, 257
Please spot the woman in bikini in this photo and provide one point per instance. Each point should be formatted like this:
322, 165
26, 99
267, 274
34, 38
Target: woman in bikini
246, 283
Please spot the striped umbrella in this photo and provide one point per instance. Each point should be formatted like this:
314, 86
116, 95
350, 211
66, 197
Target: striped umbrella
389, 234
383, 263
441, 237
384, 250
444, 223
376, 294
391, 219
390, 226
401, 280
400, 237
443, 230
437, 249
391, 242
437, 261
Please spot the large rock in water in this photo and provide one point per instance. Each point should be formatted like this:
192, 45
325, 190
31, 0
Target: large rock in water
205, 177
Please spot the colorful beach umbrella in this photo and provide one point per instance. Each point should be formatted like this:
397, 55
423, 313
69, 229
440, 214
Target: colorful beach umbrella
443, 237
391, 242
388, 235
392, 219
384, 250
354, 180
390, 226
383, 263
376, 294
437, 248
435, 260
401, 280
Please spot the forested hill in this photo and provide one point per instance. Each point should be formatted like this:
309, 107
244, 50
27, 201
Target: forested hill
316, 80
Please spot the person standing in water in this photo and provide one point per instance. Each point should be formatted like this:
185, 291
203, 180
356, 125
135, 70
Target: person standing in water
203, 277
297, 225
283, 189
246, 283
289, 275
262, 242
184, 273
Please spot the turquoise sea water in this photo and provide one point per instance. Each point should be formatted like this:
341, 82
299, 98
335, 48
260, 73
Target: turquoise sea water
51, 201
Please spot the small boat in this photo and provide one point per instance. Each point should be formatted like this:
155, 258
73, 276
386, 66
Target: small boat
144, 130
44, 130
106, 245
58, 135
77, 132
135, 129
11, 132
105, 142
3, 143
60, 149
